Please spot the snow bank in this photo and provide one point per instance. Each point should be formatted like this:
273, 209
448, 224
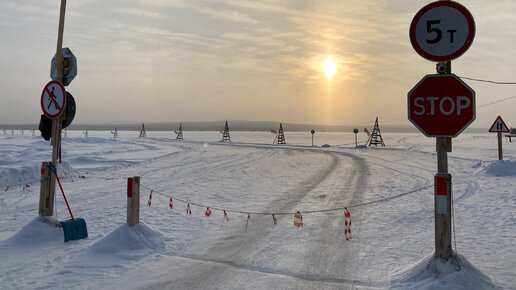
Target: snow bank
124, 239
498, 168
40, 231
25, 174
434, 273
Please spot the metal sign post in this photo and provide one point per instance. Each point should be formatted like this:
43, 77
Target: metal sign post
442, 105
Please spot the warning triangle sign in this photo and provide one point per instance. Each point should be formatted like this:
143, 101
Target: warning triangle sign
499, 126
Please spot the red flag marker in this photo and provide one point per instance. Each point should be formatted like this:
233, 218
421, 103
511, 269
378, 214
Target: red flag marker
298, 219
226, 216
208, 212
248, 222
188, 210
347, 224
6, 189
150, 199
170, 204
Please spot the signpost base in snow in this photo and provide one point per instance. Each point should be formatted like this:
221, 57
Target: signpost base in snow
46, 200
442, 202
133, 200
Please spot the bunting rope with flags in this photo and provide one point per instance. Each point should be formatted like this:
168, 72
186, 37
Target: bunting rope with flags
298, 218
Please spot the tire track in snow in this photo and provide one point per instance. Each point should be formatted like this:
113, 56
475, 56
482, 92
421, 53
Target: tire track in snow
324, 263
238, 249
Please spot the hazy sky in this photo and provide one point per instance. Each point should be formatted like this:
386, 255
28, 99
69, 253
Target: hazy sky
159, 61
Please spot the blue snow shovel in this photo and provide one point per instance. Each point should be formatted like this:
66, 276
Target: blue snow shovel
75, 228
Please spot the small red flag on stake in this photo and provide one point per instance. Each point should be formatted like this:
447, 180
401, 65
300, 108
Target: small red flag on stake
274, 219
347, 224
170, 204
6, 189
248, 222
188, 210
150, 199
298, 219
226, 218
208, 212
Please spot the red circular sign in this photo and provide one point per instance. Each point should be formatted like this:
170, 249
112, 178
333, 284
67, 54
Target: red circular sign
441, 105
442, 31
53, 99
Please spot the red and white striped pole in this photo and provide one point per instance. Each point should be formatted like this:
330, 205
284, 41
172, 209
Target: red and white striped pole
133, 200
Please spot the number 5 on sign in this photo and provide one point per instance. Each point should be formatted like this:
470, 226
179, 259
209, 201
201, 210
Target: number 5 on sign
442, 31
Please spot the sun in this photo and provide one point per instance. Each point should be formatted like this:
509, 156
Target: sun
329, 67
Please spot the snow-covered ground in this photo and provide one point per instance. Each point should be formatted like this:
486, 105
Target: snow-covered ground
392, 239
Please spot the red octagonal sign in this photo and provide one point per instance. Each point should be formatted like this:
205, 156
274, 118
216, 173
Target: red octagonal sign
441, 105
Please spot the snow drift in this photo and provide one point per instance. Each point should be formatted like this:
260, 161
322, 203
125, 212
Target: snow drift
140, 238
498, 168
434, 273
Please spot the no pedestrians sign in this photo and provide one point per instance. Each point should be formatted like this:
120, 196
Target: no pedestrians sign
53, 99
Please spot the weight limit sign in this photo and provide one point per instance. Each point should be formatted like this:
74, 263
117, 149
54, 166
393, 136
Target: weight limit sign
53, 99
442, 31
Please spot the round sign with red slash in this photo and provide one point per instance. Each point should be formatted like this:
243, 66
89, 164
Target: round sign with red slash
53, 99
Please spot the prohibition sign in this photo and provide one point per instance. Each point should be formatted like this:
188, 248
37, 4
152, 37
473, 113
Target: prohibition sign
442, 31
53, 99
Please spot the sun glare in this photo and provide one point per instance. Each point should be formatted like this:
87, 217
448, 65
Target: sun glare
329, 67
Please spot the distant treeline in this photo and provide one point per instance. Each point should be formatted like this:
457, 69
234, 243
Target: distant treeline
233, 126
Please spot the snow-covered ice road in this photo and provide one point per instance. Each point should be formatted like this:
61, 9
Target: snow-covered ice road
392, 231
320, 258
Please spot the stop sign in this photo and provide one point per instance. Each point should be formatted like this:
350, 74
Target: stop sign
441, 105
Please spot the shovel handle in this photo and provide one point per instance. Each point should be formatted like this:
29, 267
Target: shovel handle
53, 169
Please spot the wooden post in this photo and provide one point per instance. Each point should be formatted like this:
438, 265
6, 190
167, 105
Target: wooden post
442, 200
56, 123
500, 151
133, 200
46, 200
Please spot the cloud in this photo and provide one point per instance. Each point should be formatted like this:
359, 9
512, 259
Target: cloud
138, 12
